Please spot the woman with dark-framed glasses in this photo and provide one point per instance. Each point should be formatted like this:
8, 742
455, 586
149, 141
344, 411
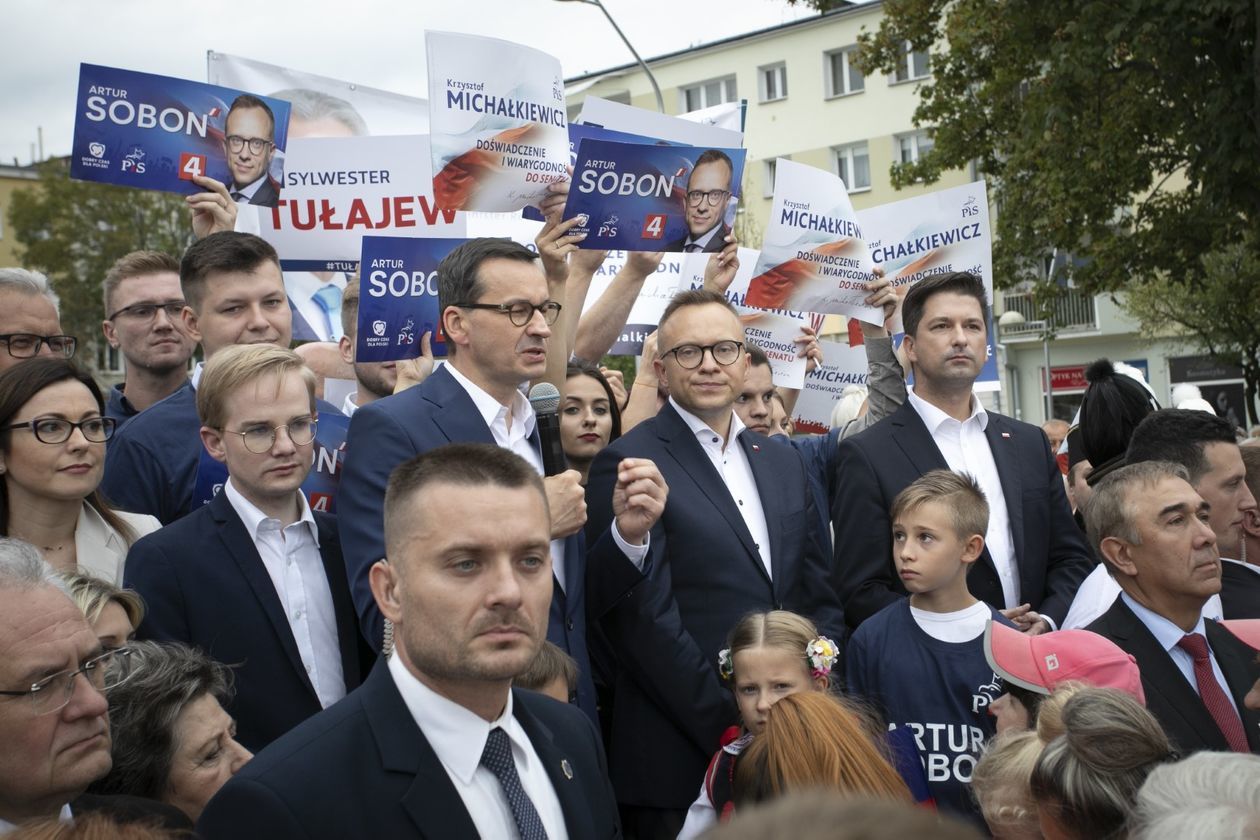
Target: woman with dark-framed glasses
52, 456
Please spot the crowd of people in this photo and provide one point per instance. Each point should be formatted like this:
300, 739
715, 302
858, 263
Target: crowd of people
934, 620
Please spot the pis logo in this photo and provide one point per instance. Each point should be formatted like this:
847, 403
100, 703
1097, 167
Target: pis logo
378, 328
609, 226
97, 150
407, 335
134, 161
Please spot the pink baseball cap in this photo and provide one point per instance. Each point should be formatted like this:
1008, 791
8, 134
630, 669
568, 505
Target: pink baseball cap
1246, 629
1042, 663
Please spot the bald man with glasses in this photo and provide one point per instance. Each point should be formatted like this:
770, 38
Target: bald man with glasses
704, 207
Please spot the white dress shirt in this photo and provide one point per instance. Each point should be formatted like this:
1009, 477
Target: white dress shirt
301, 287
293, 562
64, 817
247, 191
458, 738
515, 436
732, 465
966, 450
1168, 634
348, 405
1098, 592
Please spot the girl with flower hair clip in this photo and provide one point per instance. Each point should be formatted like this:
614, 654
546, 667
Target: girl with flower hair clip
769, 655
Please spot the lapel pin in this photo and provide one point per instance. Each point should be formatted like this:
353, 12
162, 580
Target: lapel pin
568, 770
756, 448
1006, 435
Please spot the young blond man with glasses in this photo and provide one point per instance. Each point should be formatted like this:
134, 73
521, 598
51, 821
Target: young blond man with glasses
255, 576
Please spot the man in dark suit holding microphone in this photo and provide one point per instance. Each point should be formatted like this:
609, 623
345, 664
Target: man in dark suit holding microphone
496, 313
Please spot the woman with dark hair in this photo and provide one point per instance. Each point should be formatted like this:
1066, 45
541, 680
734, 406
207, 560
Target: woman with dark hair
172, 740
590, 417
52, 457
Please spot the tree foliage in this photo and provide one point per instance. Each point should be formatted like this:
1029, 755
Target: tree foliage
1220, 314
73, 231
1125, 132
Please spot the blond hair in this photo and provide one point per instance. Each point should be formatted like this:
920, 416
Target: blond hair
135, 264
239, 365
958, 492
1000, 784
1050, 713
93, 594
779, 629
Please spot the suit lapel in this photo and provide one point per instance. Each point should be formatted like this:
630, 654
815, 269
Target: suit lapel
771, 500
915, 441
431, 800
459, 419
560, 770
343, 609
1006, 458
1240, 675
239, 545
1161, 676
682, 445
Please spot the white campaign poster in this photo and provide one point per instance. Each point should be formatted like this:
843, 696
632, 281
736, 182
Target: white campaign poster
937, 233
498, 122
813, 255
338, 189
322, 107
686, 130
728, 115
842, 366
773, 331
649, 305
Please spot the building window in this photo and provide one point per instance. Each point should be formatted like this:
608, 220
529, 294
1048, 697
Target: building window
843, 76
707, 94
853, 165
911, 147
769, 170
773, 82
913, 64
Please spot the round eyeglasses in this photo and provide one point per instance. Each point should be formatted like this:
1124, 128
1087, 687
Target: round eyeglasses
104, 672
58, 430
690, 356
260, 439
521, 311
714, 197
256, 144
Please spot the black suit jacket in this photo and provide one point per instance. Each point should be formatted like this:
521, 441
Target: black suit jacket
204, 584
364, 769
1169, 696
716, 244
879, 463
1240, 590
267, 194
703, 574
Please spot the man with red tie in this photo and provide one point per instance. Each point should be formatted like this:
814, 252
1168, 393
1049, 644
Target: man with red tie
1153, 533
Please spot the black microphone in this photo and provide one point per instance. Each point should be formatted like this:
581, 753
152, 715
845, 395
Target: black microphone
545, 398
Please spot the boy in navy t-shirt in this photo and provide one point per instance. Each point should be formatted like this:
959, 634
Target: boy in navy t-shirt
921, 661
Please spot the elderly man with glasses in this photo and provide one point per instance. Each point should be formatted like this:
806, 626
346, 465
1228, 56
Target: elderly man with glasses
54, 722
737, 535
30, 324
144, 321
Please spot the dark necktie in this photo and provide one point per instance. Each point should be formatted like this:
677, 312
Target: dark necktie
497, 758
237, 196
692, 248
1218, 705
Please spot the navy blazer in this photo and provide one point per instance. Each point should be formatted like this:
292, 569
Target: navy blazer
364, 769
882, 461
204, 584
1169, 696
704, 573
383, 435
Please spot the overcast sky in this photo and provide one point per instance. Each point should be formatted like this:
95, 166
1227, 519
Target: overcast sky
372, 42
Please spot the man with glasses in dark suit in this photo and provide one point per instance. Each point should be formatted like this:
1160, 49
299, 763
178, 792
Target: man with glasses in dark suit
249, 144
708, 194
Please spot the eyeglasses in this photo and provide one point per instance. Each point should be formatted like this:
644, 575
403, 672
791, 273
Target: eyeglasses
256, 144
260, 439
105, 672
714, 197
148, 311
521, 311
58, 430
26, 345
689, 356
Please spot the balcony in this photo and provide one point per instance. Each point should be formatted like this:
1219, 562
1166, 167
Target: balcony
1074, 312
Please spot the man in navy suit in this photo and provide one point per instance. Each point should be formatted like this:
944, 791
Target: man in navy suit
249, 146
704, 204
437, 743
255, 578
1034, 557
737, 534
1154, 533
497, 312
235, 295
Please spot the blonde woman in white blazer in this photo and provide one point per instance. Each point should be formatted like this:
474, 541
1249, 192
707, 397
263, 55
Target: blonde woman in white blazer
53, 434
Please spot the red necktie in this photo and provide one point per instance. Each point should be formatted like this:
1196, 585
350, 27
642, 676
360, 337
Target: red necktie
1213, 697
